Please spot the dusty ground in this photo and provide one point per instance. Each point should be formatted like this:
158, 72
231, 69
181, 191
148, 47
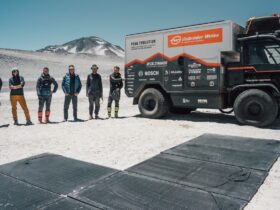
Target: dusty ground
121, 143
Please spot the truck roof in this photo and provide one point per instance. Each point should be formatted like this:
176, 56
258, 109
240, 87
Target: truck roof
167, 29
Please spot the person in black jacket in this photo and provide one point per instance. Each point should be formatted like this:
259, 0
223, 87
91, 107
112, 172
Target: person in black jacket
16, 84
1, 84
44, 92
116, 85
94, 91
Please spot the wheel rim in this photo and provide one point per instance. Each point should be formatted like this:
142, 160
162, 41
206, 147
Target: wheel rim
254, 110
149, 104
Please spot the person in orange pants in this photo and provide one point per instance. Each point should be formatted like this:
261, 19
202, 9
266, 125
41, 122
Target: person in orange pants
16, 84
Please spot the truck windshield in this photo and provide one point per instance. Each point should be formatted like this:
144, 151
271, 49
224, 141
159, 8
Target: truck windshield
267, 53
273, 53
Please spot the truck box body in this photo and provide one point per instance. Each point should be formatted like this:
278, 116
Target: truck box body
185, 62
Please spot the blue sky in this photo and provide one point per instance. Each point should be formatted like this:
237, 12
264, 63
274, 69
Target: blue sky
33, 24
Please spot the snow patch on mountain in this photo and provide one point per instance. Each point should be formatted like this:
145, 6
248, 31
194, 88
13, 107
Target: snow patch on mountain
87, 45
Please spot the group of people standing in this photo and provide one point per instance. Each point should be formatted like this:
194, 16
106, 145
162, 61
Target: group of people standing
71, 85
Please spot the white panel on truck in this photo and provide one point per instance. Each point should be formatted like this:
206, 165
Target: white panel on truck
141, 47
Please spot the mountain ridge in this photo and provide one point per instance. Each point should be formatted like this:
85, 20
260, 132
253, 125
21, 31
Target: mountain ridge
92, 45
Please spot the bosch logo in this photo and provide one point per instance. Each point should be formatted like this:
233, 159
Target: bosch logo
140, 73
176, 40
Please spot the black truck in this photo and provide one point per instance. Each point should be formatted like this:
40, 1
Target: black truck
218, 65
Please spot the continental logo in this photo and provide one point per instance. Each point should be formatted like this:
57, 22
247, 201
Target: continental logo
196, 38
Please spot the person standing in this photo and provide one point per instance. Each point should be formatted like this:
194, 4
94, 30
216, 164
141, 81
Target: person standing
44, 92
116, 84
1, 84
71, 85
16, 84
94, 90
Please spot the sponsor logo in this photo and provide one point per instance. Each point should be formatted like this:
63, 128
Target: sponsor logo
212, 77
211, 70
143, 44
140, 73
192, 84
176, 72
177, 85
211, 83
196, 38
186, 101
156, 64
180, 79
194, 65
194, 71
148, 73
202, 101
194, 77
176, 40
151, 73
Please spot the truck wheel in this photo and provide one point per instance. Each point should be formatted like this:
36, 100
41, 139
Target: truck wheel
180, 110
153, 104
255, 107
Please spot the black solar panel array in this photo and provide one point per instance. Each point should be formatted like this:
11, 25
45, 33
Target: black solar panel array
209, 172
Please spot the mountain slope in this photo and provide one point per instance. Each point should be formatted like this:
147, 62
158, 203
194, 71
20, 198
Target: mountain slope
87, 45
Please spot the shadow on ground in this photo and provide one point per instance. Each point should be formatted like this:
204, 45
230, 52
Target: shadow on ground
211, 117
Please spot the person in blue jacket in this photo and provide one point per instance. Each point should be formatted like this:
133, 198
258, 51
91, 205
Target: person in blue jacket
71, 85
44, 92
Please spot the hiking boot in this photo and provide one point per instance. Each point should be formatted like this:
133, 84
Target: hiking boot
90, 117
40, 117
28, 122
16, 122
116, 112
109, 109
47, 117
97, 117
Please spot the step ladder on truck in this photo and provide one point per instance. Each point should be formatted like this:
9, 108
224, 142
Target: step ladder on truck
217, 65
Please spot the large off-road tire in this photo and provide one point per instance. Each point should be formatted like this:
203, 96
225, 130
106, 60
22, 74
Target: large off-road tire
255, 107
180, 110
152, 104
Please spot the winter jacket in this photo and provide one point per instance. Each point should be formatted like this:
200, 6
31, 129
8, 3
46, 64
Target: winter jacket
14, 81
94, 85
1, 84
44, 84
115, 82
66, 84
